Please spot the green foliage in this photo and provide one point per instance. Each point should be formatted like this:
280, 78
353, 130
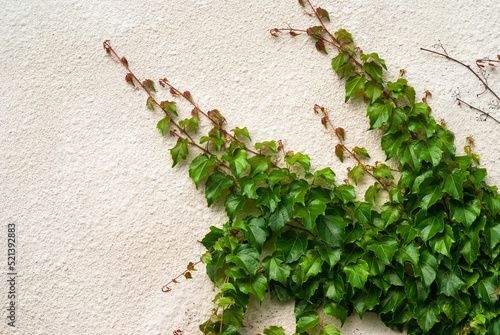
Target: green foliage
426, 259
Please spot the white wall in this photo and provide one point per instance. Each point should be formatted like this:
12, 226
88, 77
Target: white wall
102, 219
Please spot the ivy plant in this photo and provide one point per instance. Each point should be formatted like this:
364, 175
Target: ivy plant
426, 260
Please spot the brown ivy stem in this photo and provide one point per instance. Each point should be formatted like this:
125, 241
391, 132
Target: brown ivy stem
350, 152
107, 47
321, 21
486, 86
487, 115
191, 266
197, 108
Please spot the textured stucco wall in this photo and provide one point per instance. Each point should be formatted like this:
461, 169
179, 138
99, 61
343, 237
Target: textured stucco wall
102, 220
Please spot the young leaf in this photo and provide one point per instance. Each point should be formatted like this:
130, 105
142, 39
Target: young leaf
345, 193
258, 164
273, 330
327, 174
357, 172
169, 106
270, 144
150, 103
304, 160
382, 171
237, 161
199, 166
371, 193
163, 125
373, 55
149, 85
361, 152
356, 82
215, 184
320, 46
180, 151
306, 321
323, 13
340, 60
192, 122
240, 132
339, 152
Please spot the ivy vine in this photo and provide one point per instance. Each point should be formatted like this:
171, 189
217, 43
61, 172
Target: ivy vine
426, 260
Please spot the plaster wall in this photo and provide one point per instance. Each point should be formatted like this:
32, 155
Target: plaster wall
102, 219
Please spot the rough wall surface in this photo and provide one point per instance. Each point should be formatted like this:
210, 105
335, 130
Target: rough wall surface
102, 219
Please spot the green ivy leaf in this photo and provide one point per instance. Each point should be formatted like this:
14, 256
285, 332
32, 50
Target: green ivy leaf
323, 13
269, 144
429, 223
373, 90
237, 161
379, 113
454, 308
356, 82
282, 214
216, 137
374, 70
329, 254
334, 288
382, 171
234, 203
248, 184
192, 122
486, 286
391, 212
278, 175
430, 195
447, 138
427, 269
384, 249
339, 61
430, 150
245, 257
373, 55
392, 299
309, 212
466, 212
427, 316
365, 301
330, 330
408, 253
215, 184
416, 291
256, 285
199, 166
150, 103
163, 125
396, 120
357, 273
407, 154
241, 132
293, 246
269, 197
392, 142
345, 193
309, 266
258, 164
327, 174
336, 310
304, 160
422, 122
298, 190
256, 233
449, 283
180, 151
306, 321
273, 330
371, 193
443, 242
276, 268
357, 172
331, 227
234, 318
492, 234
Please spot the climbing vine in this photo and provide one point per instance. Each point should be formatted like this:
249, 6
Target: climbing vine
425, 260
